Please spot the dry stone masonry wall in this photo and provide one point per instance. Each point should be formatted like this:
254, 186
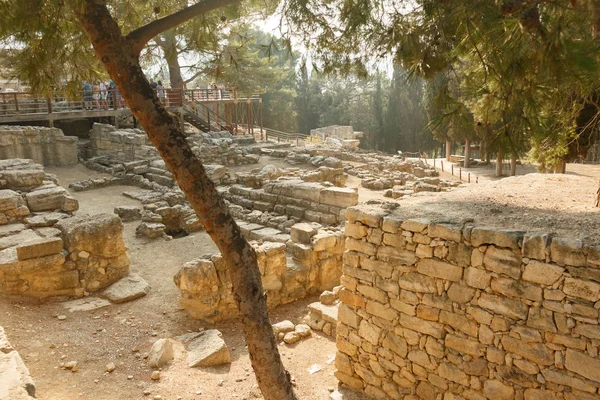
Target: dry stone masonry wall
434, 310
44, 250
46, 146
312, 264
126, 145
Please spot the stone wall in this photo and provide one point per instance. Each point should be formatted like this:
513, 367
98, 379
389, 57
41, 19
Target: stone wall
313, 266
15, 381
120, 144
308, 201
76, 255
126, 145
46, 146
435, 310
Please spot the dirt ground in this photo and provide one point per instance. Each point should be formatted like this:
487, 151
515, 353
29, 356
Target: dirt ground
559, 203
124, 333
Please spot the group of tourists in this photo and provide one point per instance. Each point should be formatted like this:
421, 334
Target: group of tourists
101, 95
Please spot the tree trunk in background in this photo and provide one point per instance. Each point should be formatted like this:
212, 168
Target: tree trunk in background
168, 44
467, 160
499, 158
513, 164
560, 167
448, 150
482, 151
122, 63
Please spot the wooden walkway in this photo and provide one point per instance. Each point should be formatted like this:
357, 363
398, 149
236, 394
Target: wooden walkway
233, 111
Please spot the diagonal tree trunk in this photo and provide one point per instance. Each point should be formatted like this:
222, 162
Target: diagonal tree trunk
120, 56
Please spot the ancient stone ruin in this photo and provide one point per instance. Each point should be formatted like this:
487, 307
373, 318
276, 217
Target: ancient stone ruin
413, 307
46, 146
44, 249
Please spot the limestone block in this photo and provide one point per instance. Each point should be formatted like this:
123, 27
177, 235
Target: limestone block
542, 273
302, 232
536, 352
160, 353
325, 240
198, 276
498, 237
366, 215
127, 289
535, 245
9, 200
496, 390
101, 235
23, 179
501, 305
417, 283
208, 349
50, 199
465, 346
427, 327
14, 375
439, 269
128, 213
445, 232
582, 364
339, 197
477, 278
502, 261
415, 225
567, 252
562, 378
39, 248
517, 288
583, 289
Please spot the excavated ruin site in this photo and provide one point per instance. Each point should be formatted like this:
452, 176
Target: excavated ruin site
385, 277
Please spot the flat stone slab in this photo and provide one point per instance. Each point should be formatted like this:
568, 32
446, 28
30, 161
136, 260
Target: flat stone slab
46, 219
11, 229
328, 313
208, 349
129, 288
86, 304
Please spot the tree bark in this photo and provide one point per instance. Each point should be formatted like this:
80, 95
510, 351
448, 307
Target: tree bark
560, 167
141, 36
467, 160
499, 158
448, 150
168, 44
122, 63
513, 164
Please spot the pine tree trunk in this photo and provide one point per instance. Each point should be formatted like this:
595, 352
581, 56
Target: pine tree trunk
448, 150
499, 158
513, 164
169, 47
467, 160
122, 64
560, 167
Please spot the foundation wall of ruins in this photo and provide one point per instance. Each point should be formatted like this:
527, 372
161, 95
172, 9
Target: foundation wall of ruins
309, 201
205, 284
46, 146
77, 255
14, 375
437, 310
126, 145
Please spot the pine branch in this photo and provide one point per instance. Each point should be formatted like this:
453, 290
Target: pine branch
139, 37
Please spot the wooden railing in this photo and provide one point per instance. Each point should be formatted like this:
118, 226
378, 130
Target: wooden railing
22, 103
273, 134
